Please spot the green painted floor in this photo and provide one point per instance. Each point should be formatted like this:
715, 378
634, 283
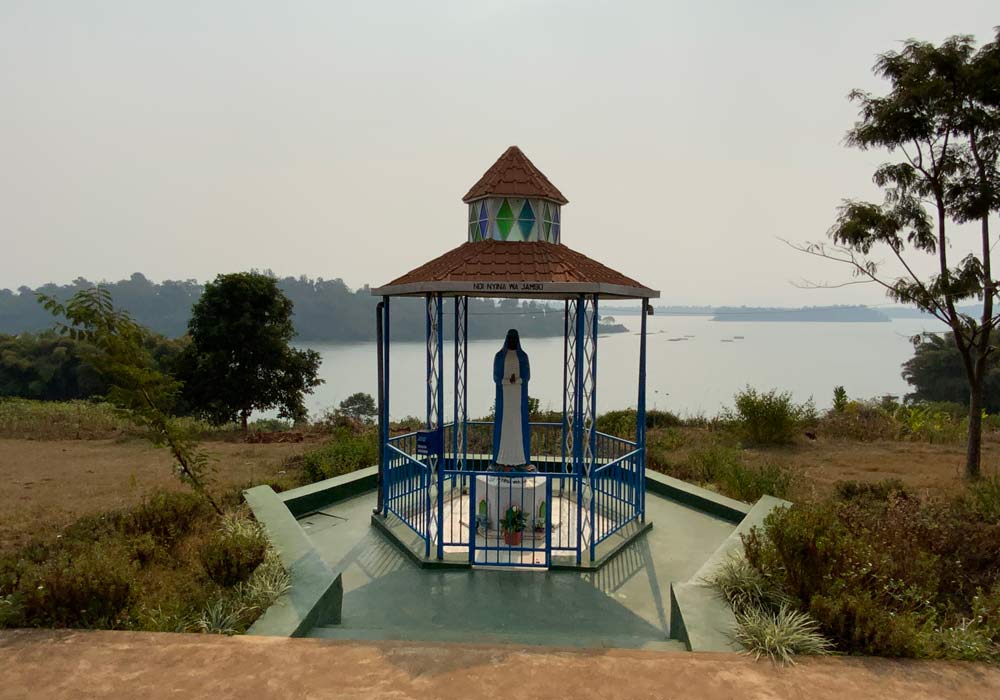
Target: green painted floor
626, 604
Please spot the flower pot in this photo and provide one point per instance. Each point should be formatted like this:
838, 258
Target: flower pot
512, 538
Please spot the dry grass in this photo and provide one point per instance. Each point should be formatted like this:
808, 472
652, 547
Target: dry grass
821, 463
49, 484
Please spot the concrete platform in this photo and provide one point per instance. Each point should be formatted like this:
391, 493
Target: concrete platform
64, 665
626, 604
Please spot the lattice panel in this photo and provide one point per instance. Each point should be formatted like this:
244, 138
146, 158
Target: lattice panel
569, 388
589, 418
461, 379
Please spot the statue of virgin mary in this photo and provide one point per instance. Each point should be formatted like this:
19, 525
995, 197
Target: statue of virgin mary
511, 436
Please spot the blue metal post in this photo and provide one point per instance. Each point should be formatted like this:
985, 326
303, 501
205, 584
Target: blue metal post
565, 371
578, 425
439, 302
640, 423
473, 514
593, 427
385, 399
548, 519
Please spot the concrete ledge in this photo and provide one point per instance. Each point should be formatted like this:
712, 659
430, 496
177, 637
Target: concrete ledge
699, 617
696, 497
308, 499
409, 543
316, 594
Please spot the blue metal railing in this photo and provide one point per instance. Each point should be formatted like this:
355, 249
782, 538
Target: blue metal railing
617, 492
406, 484
450, 521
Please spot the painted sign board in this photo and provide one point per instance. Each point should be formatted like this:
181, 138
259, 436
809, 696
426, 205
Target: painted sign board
429, 442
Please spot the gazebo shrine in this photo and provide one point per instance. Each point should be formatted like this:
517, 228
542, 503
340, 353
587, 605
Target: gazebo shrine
511, 492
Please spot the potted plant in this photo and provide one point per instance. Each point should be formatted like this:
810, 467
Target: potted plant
513, 525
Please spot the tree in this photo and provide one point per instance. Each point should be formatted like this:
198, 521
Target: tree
936, 373
941, 118
360, 406
117, 347
240, 360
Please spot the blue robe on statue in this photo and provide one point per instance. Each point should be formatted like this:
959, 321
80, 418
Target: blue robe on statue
511, 429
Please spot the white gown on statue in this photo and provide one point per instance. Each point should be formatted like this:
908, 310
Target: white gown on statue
511, 441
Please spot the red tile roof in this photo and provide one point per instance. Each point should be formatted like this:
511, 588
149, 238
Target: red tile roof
514, 175
528, 261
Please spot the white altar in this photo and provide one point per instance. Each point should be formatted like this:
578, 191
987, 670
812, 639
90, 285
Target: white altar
499, 493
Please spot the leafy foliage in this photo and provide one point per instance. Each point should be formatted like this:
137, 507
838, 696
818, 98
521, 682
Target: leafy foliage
347, 450
937, 373
117, 348
233, 554
240, 359
360, 406
886, 573
768, 418
780, 635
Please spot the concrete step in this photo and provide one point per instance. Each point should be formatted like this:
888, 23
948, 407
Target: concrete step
473, 637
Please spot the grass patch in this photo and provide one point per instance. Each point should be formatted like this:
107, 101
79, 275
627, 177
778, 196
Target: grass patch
347, 450
28, 419
728, 471
169, 564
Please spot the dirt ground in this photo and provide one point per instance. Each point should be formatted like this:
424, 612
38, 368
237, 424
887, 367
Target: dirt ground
921, 466
49, 483
824, 461
56, 664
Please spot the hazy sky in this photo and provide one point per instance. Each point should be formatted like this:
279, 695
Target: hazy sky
335, 139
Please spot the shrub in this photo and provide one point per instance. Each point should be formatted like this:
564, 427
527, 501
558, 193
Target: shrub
167, 515
779, 635
90, 588
839, 399
878, 490
233, 555
884, 572
725, 468
983, 497
768, 418
928, 423
861, 420
622, 423
270, 425
745, 587
347, 451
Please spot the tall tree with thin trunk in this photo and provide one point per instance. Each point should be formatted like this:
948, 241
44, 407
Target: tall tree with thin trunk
940, 120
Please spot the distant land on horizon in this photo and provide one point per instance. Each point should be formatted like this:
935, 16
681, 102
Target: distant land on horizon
323, 310
857, 313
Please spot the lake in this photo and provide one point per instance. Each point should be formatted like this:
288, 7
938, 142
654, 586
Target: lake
698, 375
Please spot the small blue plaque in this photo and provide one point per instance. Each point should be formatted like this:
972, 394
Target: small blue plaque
428, 442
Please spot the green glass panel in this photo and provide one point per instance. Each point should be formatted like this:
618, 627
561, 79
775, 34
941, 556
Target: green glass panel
526, 220
505, 219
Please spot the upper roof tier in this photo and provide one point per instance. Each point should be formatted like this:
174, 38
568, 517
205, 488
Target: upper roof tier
513, 175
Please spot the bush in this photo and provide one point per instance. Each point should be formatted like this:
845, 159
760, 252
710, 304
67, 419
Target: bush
270, 425
983, 498
884, 572
768, 418
725, 468
91, 588
861, 420
622, 423
167, 515
347, 451
878, 490
780, 635
234, 554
